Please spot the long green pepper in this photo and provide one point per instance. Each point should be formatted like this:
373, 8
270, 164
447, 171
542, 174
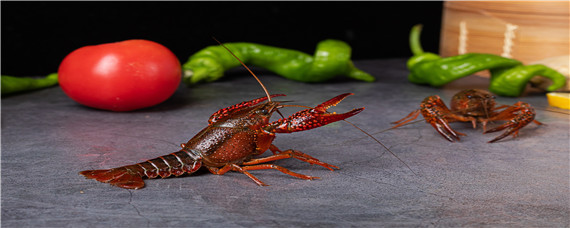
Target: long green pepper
508, 76
12, 84
332, 58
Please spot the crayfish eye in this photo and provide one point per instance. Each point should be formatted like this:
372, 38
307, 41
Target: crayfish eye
262, 111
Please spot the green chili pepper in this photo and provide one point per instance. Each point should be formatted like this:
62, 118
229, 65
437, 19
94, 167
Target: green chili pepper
332, 58
12, 84
508, 76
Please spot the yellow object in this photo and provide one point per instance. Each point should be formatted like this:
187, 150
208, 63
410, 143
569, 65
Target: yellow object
560, 100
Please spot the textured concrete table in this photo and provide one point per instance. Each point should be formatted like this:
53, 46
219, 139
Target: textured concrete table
47, 139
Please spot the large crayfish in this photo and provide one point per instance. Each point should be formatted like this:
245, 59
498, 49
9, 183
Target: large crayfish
232, 139
472, 105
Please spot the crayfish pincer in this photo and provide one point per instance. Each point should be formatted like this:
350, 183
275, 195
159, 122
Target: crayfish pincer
233, 137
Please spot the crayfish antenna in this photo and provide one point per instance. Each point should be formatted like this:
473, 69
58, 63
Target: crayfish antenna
243, 64
385, 147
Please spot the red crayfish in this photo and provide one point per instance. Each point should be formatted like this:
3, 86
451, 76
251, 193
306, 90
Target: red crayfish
230, 142
472, 105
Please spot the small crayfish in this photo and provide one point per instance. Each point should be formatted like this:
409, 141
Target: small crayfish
230, 142
472, 105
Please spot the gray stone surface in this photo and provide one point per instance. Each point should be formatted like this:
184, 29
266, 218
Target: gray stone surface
47, 139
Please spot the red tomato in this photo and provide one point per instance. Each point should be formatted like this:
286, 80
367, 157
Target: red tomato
121, 76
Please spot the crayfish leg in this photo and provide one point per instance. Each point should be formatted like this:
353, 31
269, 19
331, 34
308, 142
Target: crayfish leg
278, 154
234, 167
251, 176
412, 116
244, 170
276, 167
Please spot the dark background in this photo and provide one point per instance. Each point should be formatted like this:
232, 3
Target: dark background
36, 36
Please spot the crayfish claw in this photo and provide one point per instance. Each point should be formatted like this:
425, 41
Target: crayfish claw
519, 115
332, 102
443, 128
512, 129
499, 128
312, 118
445, 132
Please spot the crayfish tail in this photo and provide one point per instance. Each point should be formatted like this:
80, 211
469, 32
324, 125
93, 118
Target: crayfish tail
121, 177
